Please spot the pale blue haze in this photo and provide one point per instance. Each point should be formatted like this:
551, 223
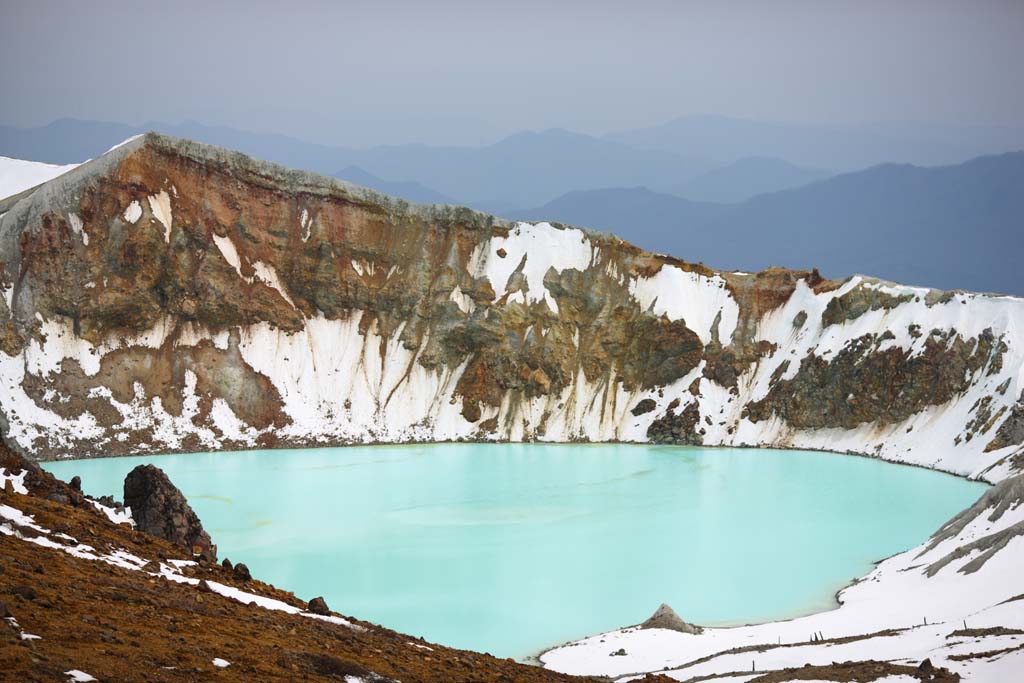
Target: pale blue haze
511, 548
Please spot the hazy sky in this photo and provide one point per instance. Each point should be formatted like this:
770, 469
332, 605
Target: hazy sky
448, 71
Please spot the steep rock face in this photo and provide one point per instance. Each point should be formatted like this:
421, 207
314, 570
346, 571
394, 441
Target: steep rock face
175, 296
159, 508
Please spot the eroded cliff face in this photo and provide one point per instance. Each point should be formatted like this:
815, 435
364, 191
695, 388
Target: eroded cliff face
175, 296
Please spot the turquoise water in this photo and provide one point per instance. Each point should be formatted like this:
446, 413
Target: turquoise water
510, 548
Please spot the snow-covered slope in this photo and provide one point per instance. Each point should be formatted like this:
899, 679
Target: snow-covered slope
957, 600
176, 296
18, 175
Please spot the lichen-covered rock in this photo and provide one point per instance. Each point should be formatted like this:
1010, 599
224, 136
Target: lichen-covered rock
1011, 431
859, 301
159, 508
679, 428
871, 381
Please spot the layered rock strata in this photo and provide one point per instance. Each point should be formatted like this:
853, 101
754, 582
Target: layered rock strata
172, 296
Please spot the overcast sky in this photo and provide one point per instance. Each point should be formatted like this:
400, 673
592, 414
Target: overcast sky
448, 71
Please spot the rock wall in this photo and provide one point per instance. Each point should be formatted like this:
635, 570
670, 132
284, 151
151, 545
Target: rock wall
175, 296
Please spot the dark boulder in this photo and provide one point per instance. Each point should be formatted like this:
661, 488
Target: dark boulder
318, 606
160, 509
241, 572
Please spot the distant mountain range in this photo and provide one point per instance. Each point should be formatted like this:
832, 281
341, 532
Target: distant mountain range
406, 189
522, 170
952, 227
841, 147
702, 158
745, 178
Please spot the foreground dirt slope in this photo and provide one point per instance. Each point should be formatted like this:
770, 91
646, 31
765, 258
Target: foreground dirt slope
177, 296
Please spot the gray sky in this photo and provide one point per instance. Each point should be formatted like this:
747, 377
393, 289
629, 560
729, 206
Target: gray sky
468, 72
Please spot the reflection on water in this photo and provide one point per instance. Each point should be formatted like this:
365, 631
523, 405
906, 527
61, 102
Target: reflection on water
509, 548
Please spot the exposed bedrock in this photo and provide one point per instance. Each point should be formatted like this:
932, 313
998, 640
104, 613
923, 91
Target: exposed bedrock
993, 504
160, 509
172, 296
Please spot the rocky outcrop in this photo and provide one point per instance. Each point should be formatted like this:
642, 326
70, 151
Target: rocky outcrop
172, 296
993, 504
160, 509
318, 606
666, 617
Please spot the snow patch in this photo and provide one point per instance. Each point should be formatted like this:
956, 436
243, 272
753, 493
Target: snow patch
537, 248
78, 676
160, 206
17, 480
78, 228
122, 516
691, 297
133, 213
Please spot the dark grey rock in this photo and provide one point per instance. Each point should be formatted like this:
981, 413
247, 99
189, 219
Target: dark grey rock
160, 509
644, 406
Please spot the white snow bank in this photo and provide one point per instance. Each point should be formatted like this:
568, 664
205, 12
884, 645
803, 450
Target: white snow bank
18, 175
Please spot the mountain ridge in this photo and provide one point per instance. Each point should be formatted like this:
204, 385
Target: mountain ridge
179, 296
